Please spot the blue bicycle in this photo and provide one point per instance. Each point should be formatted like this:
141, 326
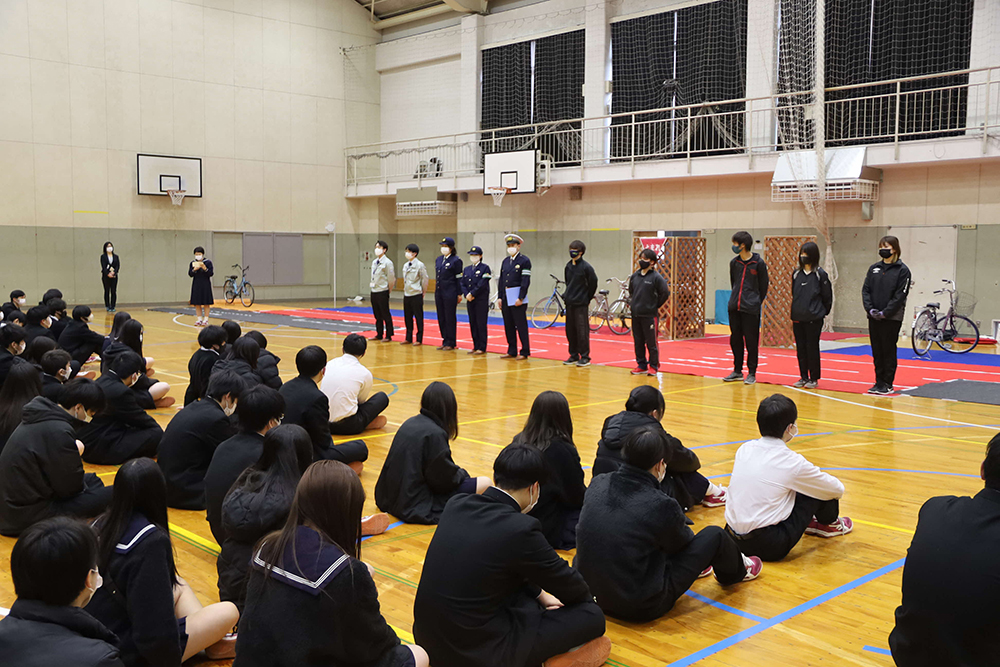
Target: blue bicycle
238, 285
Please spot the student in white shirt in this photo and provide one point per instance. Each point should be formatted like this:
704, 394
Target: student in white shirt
775, 495
348, 385
415, 282
383, 280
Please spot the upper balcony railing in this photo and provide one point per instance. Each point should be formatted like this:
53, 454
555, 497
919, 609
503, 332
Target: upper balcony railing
963, 103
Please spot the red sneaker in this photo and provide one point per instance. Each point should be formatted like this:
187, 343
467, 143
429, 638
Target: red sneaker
707, 571
754, 567
842, 526
715, 500
638, 371
651, 372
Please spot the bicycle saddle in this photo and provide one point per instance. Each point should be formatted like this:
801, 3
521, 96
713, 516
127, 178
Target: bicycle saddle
603, 291
934, 305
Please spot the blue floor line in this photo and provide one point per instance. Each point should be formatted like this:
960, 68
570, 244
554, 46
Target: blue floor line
875, 649
395, 387
725, 607
781, 618
390, 527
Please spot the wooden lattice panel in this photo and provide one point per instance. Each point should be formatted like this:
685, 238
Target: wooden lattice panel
682, 263
782, 256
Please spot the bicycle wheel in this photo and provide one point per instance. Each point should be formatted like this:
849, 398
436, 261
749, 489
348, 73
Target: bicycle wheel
545, 313
598, 314
246, 295
923, 329
229, 291
620, 319
961, 336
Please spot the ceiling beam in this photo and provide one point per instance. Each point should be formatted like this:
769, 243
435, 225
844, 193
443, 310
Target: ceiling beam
410, 17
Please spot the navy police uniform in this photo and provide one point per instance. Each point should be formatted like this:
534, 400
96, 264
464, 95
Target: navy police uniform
476, 288
448, 289
515, 272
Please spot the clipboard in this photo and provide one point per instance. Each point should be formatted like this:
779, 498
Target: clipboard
512, 294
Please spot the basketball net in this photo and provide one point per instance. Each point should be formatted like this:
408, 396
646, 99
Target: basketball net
498, 195
176, 196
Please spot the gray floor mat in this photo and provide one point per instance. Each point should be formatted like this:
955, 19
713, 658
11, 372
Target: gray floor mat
967, 391
254, 317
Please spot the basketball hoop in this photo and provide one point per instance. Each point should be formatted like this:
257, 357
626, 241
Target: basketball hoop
498, 194
176, 196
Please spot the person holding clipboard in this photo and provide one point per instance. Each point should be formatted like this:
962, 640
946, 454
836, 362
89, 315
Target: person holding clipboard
515, 277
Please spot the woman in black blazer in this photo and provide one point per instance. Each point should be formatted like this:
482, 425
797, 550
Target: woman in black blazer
109, 274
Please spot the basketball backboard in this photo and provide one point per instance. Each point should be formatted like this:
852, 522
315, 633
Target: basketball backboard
516, 170
159, 173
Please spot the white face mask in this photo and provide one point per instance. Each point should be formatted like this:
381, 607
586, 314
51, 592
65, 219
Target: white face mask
110, 251
512, 250
793, 430
98, 583
23, 347
445, 250
82, 415
662, 475
476, 259
378, 251
410, 256
198, 258
230, 409
49, 320
65, 373
140, 338
531, 503
22, 301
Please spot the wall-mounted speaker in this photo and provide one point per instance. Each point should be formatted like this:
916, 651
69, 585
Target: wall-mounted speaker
575, 193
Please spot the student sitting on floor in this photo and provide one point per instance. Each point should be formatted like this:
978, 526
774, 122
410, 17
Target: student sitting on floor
775, 494
155, 614
57, 307
242, 360
549, 429
23, 384
122, 430
645, 407
38, 346
12, 346
41, 474
307, 406
18, 301
57, 369
233, 332
78, 339
211, 339
267, 361
311, 601
37, 323
493, 593
634, 547
419, 475
117, 324
259, 503
259, 410
191, 438
150, 392
949, 614
348, 385
54, 568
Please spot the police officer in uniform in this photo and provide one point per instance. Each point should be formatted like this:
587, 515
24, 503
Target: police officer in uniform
515, 272
476, 287
448, 292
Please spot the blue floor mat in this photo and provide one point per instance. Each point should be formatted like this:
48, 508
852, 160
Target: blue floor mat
935, 355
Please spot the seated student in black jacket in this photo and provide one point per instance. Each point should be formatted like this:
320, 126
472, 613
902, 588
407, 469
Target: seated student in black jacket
259, 410
24, 383
645, 407
37, 323
18, 301
38, 346
949, 613
57, 308
41, 474
150, 392
634, 547
155, 614
307, 406
123, 430
649, 291
267, 361
549, 429
493, 593
211, 339
78, 339
53, 293
258, 503
311, 601
54, 568
419, 476
191, 438
12, 346
242, 360
233, 331
56, 371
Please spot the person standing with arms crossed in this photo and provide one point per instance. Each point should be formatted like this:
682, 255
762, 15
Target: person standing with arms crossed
415, 283
649, 292
812, 300
476, 287
110, 263
448, 293
884, 296
581, 285
383, 280
748, 275
515, 272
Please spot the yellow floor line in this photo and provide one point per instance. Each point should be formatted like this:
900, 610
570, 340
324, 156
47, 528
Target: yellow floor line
187, 534
403, 634
882, 525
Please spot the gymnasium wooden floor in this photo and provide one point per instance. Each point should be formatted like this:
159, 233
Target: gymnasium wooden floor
830, 602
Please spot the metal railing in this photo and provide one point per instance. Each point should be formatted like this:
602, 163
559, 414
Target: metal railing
952, 104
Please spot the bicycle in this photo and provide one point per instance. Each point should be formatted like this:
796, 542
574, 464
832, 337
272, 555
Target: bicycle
617, 314
948, 329
548, 309
238, 285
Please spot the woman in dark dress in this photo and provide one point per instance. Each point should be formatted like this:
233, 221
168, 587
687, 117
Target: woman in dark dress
549, 429
201, 272
110, 263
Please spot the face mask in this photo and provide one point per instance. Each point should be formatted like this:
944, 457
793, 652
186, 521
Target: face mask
65, 373
531, 504
140, 338
643, 264
379, 252
793, 431
110, 250
22, 301
410, 256
230, 410
662, 475
49, 320
85, 418
803, 259
737, 250
574, 254
476, 259
98, 583
445, 250
512, 250
884, 253
198, 258
23, 347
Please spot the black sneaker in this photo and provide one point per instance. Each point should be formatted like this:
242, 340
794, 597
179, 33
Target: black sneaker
881, 390
750, 379
735, 376
583, 363
571, 361
875, 388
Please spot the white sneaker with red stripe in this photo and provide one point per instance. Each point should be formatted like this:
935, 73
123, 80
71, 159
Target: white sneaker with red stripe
841, 526
714, 499
754, 567
707, 571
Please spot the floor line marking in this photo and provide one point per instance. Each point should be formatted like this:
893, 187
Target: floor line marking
875, 649
724, 607
884, 526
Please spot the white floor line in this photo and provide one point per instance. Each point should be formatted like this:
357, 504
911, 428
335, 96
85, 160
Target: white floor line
898, 412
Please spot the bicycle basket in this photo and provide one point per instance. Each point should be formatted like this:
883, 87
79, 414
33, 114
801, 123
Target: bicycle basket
965, 304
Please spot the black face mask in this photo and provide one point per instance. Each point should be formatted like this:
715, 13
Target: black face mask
884, 253
803, 259
574, 254
643, 264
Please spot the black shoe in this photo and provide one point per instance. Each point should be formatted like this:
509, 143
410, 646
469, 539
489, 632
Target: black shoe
874, 389
880, 389
735, 376
583, 363
571, 361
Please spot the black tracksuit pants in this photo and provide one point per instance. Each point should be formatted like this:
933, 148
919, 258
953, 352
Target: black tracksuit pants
360, 420
515, 324
772, 543
563, 629
413, 309
479, 312
383, 318
744, 330
644, 333
578, 331
807, 348
110, 292
447, 308
884, 334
